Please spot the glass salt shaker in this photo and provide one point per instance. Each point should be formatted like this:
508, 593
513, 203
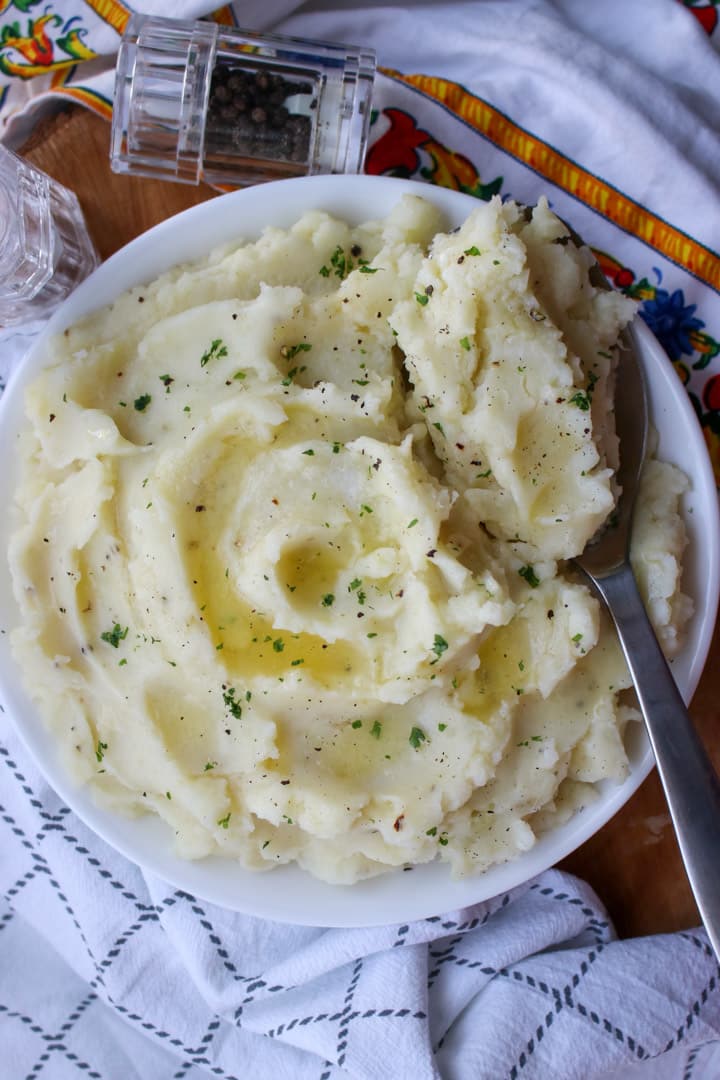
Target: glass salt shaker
45, 248
198, 101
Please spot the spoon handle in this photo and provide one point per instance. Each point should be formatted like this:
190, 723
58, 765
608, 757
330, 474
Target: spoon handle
691, 784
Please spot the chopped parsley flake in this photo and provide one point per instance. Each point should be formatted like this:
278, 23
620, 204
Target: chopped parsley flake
365, 509
465, 343
417, 736
291, 375
376, 729
240, 375
441, 727
289, 351
166, 380
577, 638
472, 250
432, 832
210, 765
114, 636
309, 453
234, 707
336, 448
529, 575
278, 644
100, 750
356, 724
141, 403
421, 298
217, 350
364, 269
581, 399
224, 822
341, 264
328, 600
440, 645
412, 523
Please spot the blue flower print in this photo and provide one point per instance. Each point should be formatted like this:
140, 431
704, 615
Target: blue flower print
671, 321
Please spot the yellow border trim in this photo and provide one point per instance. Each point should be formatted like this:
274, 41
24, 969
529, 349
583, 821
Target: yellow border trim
675, 245
88, 98
112, 12
223, 16
61, 75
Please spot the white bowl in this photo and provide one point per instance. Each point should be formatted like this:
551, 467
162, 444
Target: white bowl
288, 894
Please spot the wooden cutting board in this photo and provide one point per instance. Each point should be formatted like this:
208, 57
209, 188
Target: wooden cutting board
633, 863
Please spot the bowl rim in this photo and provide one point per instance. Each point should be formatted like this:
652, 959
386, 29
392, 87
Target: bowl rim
394, 896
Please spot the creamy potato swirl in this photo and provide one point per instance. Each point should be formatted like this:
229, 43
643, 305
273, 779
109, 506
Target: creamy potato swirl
292, 537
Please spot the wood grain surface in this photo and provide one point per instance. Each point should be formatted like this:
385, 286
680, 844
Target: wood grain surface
633, 863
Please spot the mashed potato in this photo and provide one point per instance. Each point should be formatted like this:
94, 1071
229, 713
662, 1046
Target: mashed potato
292, 543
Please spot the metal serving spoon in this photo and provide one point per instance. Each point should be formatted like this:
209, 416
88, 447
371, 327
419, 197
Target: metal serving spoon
691, 784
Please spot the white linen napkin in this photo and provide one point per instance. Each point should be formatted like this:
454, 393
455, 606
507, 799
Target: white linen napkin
108, 972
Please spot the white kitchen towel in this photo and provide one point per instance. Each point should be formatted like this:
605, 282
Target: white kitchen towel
612, 110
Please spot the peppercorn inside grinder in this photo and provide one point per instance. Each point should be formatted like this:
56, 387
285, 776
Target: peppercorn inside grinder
198, 101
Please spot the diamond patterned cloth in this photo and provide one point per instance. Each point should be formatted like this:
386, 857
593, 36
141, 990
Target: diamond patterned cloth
109, 973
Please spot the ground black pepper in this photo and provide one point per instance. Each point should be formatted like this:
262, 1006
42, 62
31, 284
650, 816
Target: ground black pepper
248, 115
245, 108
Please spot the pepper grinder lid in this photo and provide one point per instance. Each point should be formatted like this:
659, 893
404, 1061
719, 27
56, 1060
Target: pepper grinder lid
162, 83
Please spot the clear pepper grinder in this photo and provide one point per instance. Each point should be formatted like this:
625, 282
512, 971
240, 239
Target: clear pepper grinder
45, 248
197, 101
